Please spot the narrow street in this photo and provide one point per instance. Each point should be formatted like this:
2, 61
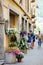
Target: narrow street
21, 21
33, 57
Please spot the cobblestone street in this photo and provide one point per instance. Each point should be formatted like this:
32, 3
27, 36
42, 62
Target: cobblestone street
33, 57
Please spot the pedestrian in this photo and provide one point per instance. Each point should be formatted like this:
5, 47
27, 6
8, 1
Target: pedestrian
29, 40
32, 39
39, 39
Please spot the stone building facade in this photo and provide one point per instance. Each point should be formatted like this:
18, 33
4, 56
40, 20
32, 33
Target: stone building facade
15, 13
1, 32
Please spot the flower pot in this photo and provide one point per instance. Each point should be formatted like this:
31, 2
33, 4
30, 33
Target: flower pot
10, 58
19, 60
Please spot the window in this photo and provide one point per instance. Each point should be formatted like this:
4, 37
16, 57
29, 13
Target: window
22, 23
29, 26
6, 25
27, 5
33, 1
20, 1
12, 20
25, 25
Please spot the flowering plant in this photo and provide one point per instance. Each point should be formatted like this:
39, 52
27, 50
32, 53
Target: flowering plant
23, 41
11, 32
17, 52
20, 55
23, 32
14, 51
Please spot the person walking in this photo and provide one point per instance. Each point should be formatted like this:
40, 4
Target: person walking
32, 39
29, 40
39, 39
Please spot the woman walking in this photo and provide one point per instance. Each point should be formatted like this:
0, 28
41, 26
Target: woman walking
32, 39
29, 40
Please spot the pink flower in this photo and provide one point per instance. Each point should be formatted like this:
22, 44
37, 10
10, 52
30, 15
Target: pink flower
14, 51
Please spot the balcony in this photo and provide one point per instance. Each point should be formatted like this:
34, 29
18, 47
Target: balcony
34, 25
22, 8
16, 1
32, 16
33, 22
32, 1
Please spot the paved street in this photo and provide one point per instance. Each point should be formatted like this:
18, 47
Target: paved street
1, 62
33, 57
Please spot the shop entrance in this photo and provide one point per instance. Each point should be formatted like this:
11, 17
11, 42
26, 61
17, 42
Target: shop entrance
13, 23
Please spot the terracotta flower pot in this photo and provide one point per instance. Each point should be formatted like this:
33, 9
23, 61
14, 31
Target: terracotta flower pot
19, 59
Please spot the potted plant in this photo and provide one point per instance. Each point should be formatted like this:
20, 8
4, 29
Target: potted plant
23, 43
19, 57
10, 55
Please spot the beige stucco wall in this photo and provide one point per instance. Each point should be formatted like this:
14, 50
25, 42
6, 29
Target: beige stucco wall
7, 5
5, 13
13, 5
